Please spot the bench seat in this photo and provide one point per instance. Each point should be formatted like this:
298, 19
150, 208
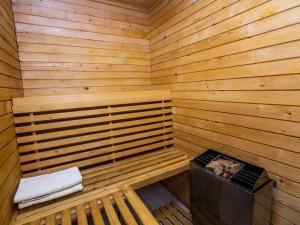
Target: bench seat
136, 172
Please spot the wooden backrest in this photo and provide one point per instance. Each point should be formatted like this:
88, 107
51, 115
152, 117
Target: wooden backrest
58, 132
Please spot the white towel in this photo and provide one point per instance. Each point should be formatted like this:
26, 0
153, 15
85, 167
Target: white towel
38, 186
49, 197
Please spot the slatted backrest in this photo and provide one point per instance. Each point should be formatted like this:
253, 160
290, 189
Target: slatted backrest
58, 132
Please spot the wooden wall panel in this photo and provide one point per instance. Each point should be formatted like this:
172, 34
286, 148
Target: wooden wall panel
137, 4
233, 68
10, 86
75, 46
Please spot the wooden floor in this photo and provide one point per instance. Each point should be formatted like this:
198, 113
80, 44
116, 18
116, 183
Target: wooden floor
173, 214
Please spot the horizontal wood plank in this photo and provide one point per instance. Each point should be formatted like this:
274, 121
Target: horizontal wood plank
232, 70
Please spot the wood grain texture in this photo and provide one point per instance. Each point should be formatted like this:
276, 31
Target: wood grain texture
233, 70
116, 139
59, 132
108, 204
136, 172
71, 47
232, 66
10, 86
138, 4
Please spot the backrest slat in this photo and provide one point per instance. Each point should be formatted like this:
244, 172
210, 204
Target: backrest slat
58, 132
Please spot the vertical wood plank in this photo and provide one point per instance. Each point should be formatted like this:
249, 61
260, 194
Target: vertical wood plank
50, 220
81, 215
127, 215
139, 207
66, 217
110, 211
96, 214
35, 222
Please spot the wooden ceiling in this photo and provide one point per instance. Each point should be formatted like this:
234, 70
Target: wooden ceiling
145, 4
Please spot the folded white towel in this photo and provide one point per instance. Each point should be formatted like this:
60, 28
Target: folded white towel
49, 197
38, 186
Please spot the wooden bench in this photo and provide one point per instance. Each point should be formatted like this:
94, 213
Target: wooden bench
116, 139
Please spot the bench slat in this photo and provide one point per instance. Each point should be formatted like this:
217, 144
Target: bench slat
125, 177
90, 112
99, 159
81, 215
96, 215
78, 131
50, 220
127, 216
63, 102
66, 217
96, 146
136, 203
92, 137
128, 167
82, 121
36, 222
110, 212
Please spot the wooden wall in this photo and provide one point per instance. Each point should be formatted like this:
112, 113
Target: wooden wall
10, 86
234, 66
81, 46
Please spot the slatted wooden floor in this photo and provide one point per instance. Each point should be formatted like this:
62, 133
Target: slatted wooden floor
173, 214
117, 208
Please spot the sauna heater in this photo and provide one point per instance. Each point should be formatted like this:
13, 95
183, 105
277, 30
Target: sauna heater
228, 191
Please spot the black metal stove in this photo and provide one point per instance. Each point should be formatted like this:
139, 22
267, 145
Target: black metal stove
228, 191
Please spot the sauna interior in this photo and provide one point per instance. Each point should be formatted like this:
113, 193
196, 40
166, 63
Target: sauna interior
132, 91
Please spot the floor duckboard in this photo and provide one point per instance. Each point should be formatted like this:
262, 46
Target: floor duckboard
173, 214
